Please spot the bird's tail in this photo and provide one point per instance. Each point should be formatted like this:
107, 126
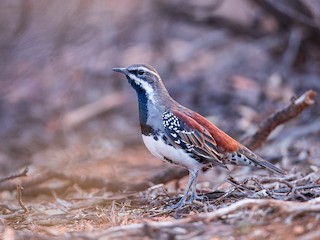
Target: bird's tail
245, 157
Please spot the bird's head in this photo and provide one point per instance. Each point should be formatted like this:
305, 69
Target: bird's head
143, 78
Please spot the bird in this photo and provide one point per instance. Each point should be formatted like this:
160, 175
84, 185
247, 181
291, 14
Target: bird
180, 136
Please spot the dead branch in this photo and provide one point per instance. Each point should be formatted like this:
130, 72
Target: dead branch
13, 176
280, 117
283, 206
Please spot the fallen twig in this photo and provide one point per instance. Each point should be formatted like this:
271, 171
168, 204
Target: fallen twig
19, 196
22, 174
280, 117
284, 207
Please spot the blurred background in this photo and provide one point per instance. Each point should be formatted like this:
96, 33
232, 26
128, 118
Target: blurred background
236, 62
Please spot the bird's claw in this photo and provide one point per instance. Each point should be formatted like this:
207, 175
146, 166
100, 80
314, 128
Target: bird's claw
195, 197
177, 205
183, 201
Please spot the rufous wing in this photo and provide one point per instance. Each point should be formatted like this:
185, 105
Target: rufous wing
186, 133
227, 145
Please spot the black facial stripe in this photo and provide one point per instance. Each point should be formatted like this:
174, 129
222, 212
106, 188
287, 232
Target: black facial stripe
133, 71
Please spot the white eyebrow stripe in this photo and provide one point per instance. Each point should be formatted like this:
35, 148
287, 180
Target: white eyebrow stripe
149, 71
144, 69
133, 68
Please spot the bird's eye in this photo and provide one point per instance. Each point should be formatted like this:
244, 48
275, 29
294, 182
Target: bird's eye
140, 72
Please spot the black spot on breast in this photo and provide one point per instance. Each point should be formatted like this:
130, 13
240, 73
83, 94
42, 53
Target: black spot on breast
200, 159
168, 160
146, 129
165, 139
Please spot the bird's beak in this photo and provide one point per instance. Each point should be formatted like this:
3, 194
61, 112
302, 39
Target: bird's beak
121, 70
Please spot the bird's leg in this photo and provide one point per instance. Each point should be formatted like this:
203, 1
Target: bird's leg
192, 178
194, 195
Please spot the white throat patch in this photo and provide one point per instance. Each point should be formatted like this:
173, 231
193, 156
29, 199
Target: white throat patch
146, 86
143, 84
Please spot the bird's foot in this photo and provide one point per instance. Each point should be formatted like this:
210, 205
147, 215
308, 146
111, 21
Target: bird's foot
183, 202
195, 196
178, 205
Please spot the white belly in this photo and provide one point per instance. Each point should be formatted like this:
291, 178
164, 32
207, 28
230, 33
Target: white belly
161, 150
